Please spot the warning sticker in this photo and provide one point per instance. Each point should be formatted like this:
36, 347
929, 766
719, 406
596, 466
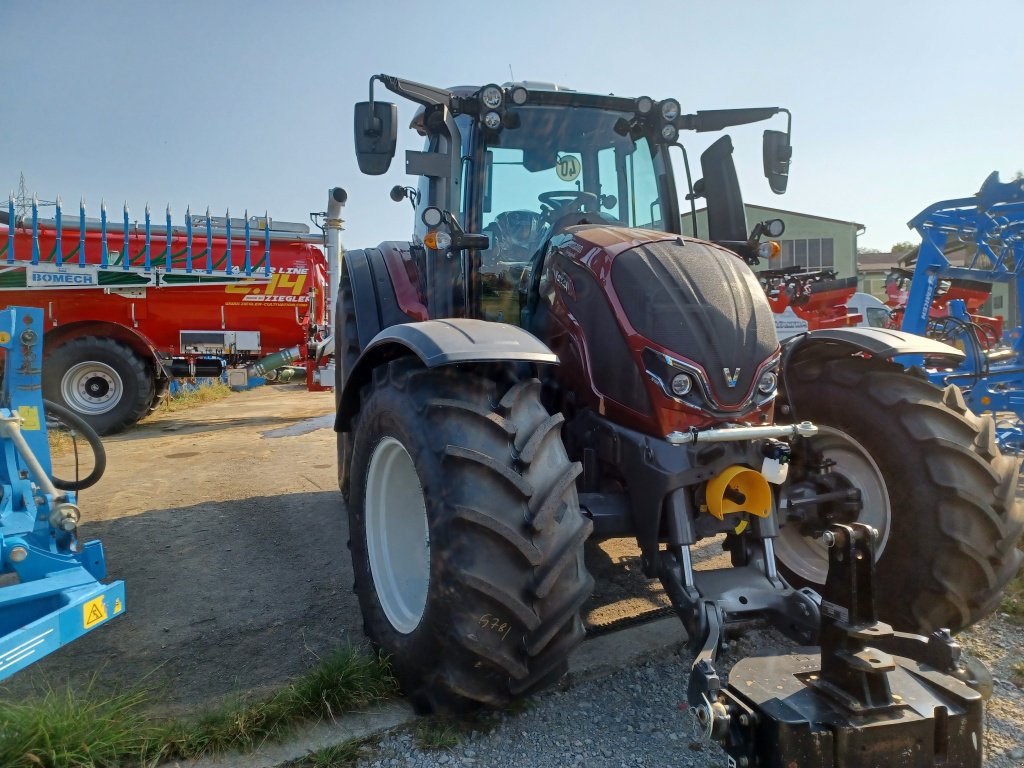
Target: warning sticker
93, 612
568, 167
29, 418
4, 337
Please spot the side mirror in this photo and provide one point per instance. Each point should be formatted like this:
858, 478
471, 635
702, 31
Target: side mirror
727, 218
376, 135
777, 153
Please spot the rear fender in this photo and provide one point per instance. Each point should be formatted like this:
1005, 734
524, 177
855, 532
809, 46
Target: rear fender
440, 343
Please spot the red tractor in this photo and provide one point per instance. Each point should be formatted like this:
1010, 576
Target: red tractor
550, 359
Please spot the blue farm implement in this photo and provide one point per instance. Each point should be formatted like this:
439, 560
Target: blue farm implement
990, 225
54, 592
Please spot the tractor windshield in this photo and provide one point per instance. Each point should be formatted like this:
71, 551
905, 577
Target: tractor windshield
553, 164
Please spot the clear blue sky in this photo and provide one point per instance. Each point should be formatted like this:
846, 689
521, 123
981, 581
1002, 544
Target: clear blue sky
249, 104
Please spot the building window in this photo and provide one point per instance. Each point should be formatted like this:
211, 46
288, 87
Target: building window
997, 302
815, 253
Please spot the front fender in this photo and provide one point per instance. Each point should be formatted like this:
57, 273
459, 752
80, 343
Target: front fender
882, 343
438, 343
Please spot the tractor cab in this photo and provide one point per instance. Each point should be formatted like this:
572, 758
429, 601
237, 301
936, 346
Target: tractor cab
521, 163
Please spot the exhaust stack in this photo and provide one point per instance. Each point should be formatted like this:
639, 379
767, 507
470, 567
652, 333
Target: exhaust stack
333, 225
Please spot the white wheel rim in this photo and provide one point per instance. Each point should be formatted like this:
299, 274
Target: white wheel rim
808, 557
397, 535
91, 388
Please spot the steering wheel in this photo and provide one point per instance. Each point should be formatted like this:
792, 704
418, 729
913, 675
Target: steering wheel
563, 202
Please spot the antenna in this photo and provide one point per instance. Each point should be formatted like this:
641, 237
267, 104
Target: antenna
511, 76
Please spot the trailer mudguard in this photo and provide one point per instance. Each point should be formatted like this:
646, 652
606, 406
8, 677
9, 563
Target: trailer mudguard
439, 343
877, 342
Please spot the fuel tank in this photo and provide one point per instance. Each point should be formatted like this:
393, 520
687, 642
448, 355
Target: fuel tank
656, 331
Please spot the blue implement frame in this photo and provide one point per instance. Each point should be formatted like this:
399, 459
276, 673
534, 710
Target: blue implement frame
991, 225
59, 595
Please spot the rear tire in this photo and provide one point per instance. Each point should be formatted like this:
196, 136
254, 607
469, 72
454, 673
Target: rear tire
346, 354
101, 380
498, 538
940, 493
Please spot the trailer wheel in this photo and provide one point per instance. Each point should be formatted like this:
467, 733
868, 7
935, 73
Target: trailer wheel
346, 353
932, 481
101, 380
466, 535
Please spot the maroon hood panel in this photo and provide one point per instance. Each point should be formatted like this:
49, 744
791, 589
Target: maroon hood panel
692, 300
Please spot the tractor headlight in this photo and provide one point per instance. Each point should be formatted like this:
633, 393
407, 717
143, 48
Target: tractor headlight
492, 120
670, 109
681, 384
519, 96
767, 383
644, 105
669, 132
491, 96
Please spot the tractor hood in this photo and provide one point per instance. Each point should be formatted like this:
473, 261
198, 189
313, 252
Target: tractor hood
696, 302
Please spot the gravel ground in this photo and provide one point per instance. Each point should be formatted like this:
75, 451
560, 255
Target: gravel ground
634, 717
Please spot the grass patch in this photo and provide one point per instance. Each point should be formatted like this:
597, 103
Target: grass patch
1013, 598
69, 730
438, 733
343, 755
189, 398
92, 730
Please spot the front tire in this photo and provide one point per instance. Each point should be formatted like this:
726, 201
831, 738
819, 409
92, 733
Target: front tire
101, 380
932, 481
466, 535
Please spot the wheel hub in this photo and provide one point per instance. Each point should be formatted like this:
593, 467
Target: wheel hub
397, 535
853, 466
91, 388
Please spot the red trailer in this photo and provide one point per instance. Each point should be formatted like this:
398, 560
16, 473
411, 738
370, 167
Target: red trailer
129, 306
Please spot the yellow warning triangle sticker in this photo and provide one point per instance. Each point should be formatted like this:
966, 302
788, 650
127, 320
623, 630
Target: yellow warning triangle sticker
93, 612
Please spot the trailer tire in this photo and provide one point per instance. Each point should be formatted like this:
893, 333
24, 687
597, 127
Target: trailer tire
475, 595
346, 355
101, 380
934, 484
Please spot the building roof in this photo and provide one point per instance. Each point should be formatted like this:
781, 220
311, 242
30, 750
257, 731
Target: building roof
793, 213
804, 215
875, 261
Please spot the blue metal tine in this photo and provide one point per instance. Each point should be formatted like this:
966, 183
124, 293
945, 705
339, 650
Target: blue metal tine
81, 232
248, 259
209, 243
57, 243
188, 239
10, 229
35, 230
105, 258
124, 257
167, 261
227, 250
266, 243
149, 263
